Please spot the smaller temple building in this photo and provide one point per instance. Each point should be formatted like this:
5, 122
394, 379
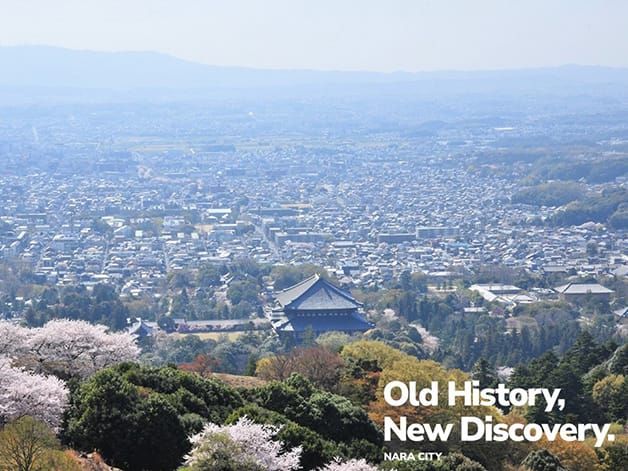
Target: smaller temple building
316, 305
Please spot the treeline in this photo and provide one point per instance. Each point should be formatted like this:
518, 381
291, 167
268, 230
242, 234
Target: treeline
537, 166
593, 379
465, 338
100, 306
549, 194
235, 356
609, 207
592, 171
502, 347
145, 416
316, 408
193, 293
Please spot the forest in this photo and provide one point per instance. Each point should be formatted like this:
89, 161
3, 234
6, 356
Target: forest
576, 205
315, 408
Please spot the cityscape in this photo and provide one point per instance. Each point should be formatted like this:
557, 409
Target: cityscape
127, 208
313, 236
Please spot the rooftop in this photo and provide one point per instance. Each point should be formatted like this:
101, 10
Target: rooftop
316, 293
583, 288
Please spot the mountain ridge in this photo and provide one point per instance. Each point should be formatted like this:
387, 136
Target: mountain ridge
54, 67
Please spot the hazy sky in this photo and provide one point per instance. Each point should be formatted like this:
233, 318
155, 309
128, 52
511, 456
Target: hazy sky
381, 35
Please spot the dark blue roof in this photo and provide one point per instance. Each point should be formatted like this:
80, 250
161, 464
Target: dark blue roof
316, 294
324, 323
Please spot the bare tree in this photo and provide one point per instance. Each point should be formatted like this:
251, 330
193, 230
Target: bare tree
317, 364
24, 445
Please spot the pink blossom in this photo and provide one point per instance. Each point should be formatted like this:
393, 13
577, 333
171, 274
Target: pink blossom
13, 338
255, 444
66, 347
24, 393
351, 465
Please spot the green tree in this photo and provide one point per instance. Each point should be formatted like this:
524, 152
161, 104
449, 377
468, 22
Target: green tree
166, 323
208, 275
613, 456
161, 440
334, 417
611, 395
405, 280
483, 373
592, 249
243, 291
139, 418
103, 292
101, 417
542, 460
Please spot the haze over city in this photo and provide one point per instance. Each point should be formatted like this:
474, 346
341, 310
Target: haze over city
408, 35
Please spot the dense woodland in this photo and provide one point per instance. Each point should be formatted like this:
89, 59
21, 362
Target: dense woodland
576, 205
316, 407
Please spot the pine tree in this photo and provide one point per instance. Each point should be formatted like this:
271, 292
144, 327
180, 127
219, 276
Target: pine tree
484, 373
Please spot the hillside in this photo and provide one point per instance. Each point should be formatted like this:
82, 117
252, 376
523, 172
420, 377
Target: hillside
52, 67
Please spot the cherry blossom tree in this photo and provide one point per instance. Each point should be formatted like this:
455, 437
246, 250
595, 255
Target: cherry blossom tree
27, 394
78, 348
66, 348
351, 465
13, 338
244, 445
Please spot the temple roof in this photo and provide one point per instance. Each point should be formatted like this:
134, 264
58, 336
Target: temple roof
352, 322
142, 328
314, 294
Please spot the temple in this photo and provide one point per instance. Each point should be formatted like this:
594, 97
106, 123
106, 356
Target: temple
318, 306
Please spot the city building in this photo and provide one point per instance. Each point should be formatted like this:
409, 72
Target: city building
576, 292
316, 305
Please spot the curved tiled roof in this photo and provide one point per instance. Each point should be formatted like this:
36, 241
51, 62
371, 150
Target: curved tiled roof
316, 293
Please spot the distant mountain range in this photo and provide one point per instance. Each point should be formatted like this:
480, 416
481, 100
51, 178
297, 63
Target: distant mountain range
55, 68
